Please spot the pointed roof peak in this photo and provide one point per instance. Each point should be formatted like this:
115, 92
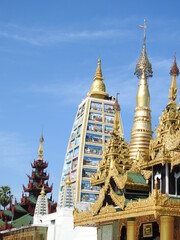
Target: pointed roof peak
68, 181
174, 70
41, 148
143, 65
98, 89
117, 126
173, 89
98, 74
43, 191
116, 105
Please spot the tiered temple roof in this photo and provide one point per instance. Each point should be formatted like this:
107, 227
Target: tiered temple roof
37, 180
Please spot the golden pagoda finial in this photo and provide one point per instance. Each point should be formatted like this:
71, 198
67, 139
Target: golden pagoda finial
143, 65
41, 148
117, 122
142, 131
98, 89
98, 74
116, 117
68, 181
174, 72
43, 191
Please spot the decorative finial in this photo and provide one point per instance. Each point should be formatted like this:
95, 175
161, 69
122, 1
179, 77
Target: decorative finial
116, 105
174, 72
144, 66
98, 74
68, 181
144, 27
41, 148
98, 89
174, 69
117, 126
43, 191
116, 117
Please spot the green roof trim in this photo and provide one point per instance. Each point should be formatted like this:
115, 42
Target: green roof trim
7, 213
137, 178
23, 221
1, 222
31, 199
19, 208
175, 198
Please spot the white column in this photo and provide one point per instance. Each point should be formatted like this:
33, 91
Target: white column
152, 181
167, 177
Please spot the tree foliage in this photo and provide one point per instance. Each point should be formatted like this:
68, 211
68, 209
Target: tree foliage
5, 195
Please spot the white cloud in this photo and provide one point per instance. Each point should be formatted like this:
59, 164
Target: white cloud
44, 37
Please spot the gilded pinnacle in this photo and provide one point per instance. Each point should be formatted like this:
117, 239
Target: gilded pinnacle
174, 70
41, 148
98, 74
142, 131
116, 105
117, 126
68, 181
173, 89
98, 89
43, 191
143, 63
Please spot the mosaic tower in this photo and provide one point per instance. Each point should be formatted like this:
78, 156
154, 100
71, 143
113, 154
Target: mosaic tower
91, 130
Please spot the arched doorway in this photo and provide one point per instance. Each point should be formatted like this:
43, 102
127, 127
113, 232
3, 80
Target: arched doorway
123, 235
155, 231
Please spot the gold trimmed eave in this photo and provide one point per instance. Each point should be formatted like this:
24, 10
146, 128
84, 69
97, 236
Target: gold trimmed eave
156, 204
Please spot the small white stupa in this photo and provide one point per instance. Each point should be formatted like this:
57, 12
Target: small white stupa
41, 208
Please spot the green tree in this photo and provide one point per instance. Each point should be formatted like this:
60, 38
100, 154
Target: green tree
5, 195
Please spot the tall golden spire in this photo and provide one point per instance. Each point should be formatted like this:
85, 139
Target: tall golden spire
117, 121
41, 148
174, 72
142, 131
98, 89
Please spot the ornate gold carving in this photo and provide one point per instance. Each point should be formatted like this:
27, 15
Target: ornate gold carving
118, 200
107, 209
166, 145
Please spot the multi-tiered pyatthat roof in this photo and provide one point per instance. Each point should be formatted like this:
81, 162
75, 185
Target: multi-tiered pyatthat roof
165, 148
142, 132
116, 152
37, 180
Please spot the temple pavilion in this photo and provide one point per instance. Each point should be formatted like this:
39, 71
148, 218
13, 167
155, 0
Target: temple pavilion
139, 183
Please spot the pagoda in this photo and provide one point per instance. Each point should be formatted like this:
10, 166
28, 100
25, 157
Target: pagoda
140, 183
91, 130
38, 179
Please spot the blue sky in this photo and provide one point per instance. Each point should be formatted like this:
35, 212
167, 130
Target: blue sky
48, 58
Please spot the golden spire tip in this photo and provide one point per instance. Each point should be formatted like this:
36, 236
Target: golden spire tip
143, 65
174, 70
41, 148
43, 191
